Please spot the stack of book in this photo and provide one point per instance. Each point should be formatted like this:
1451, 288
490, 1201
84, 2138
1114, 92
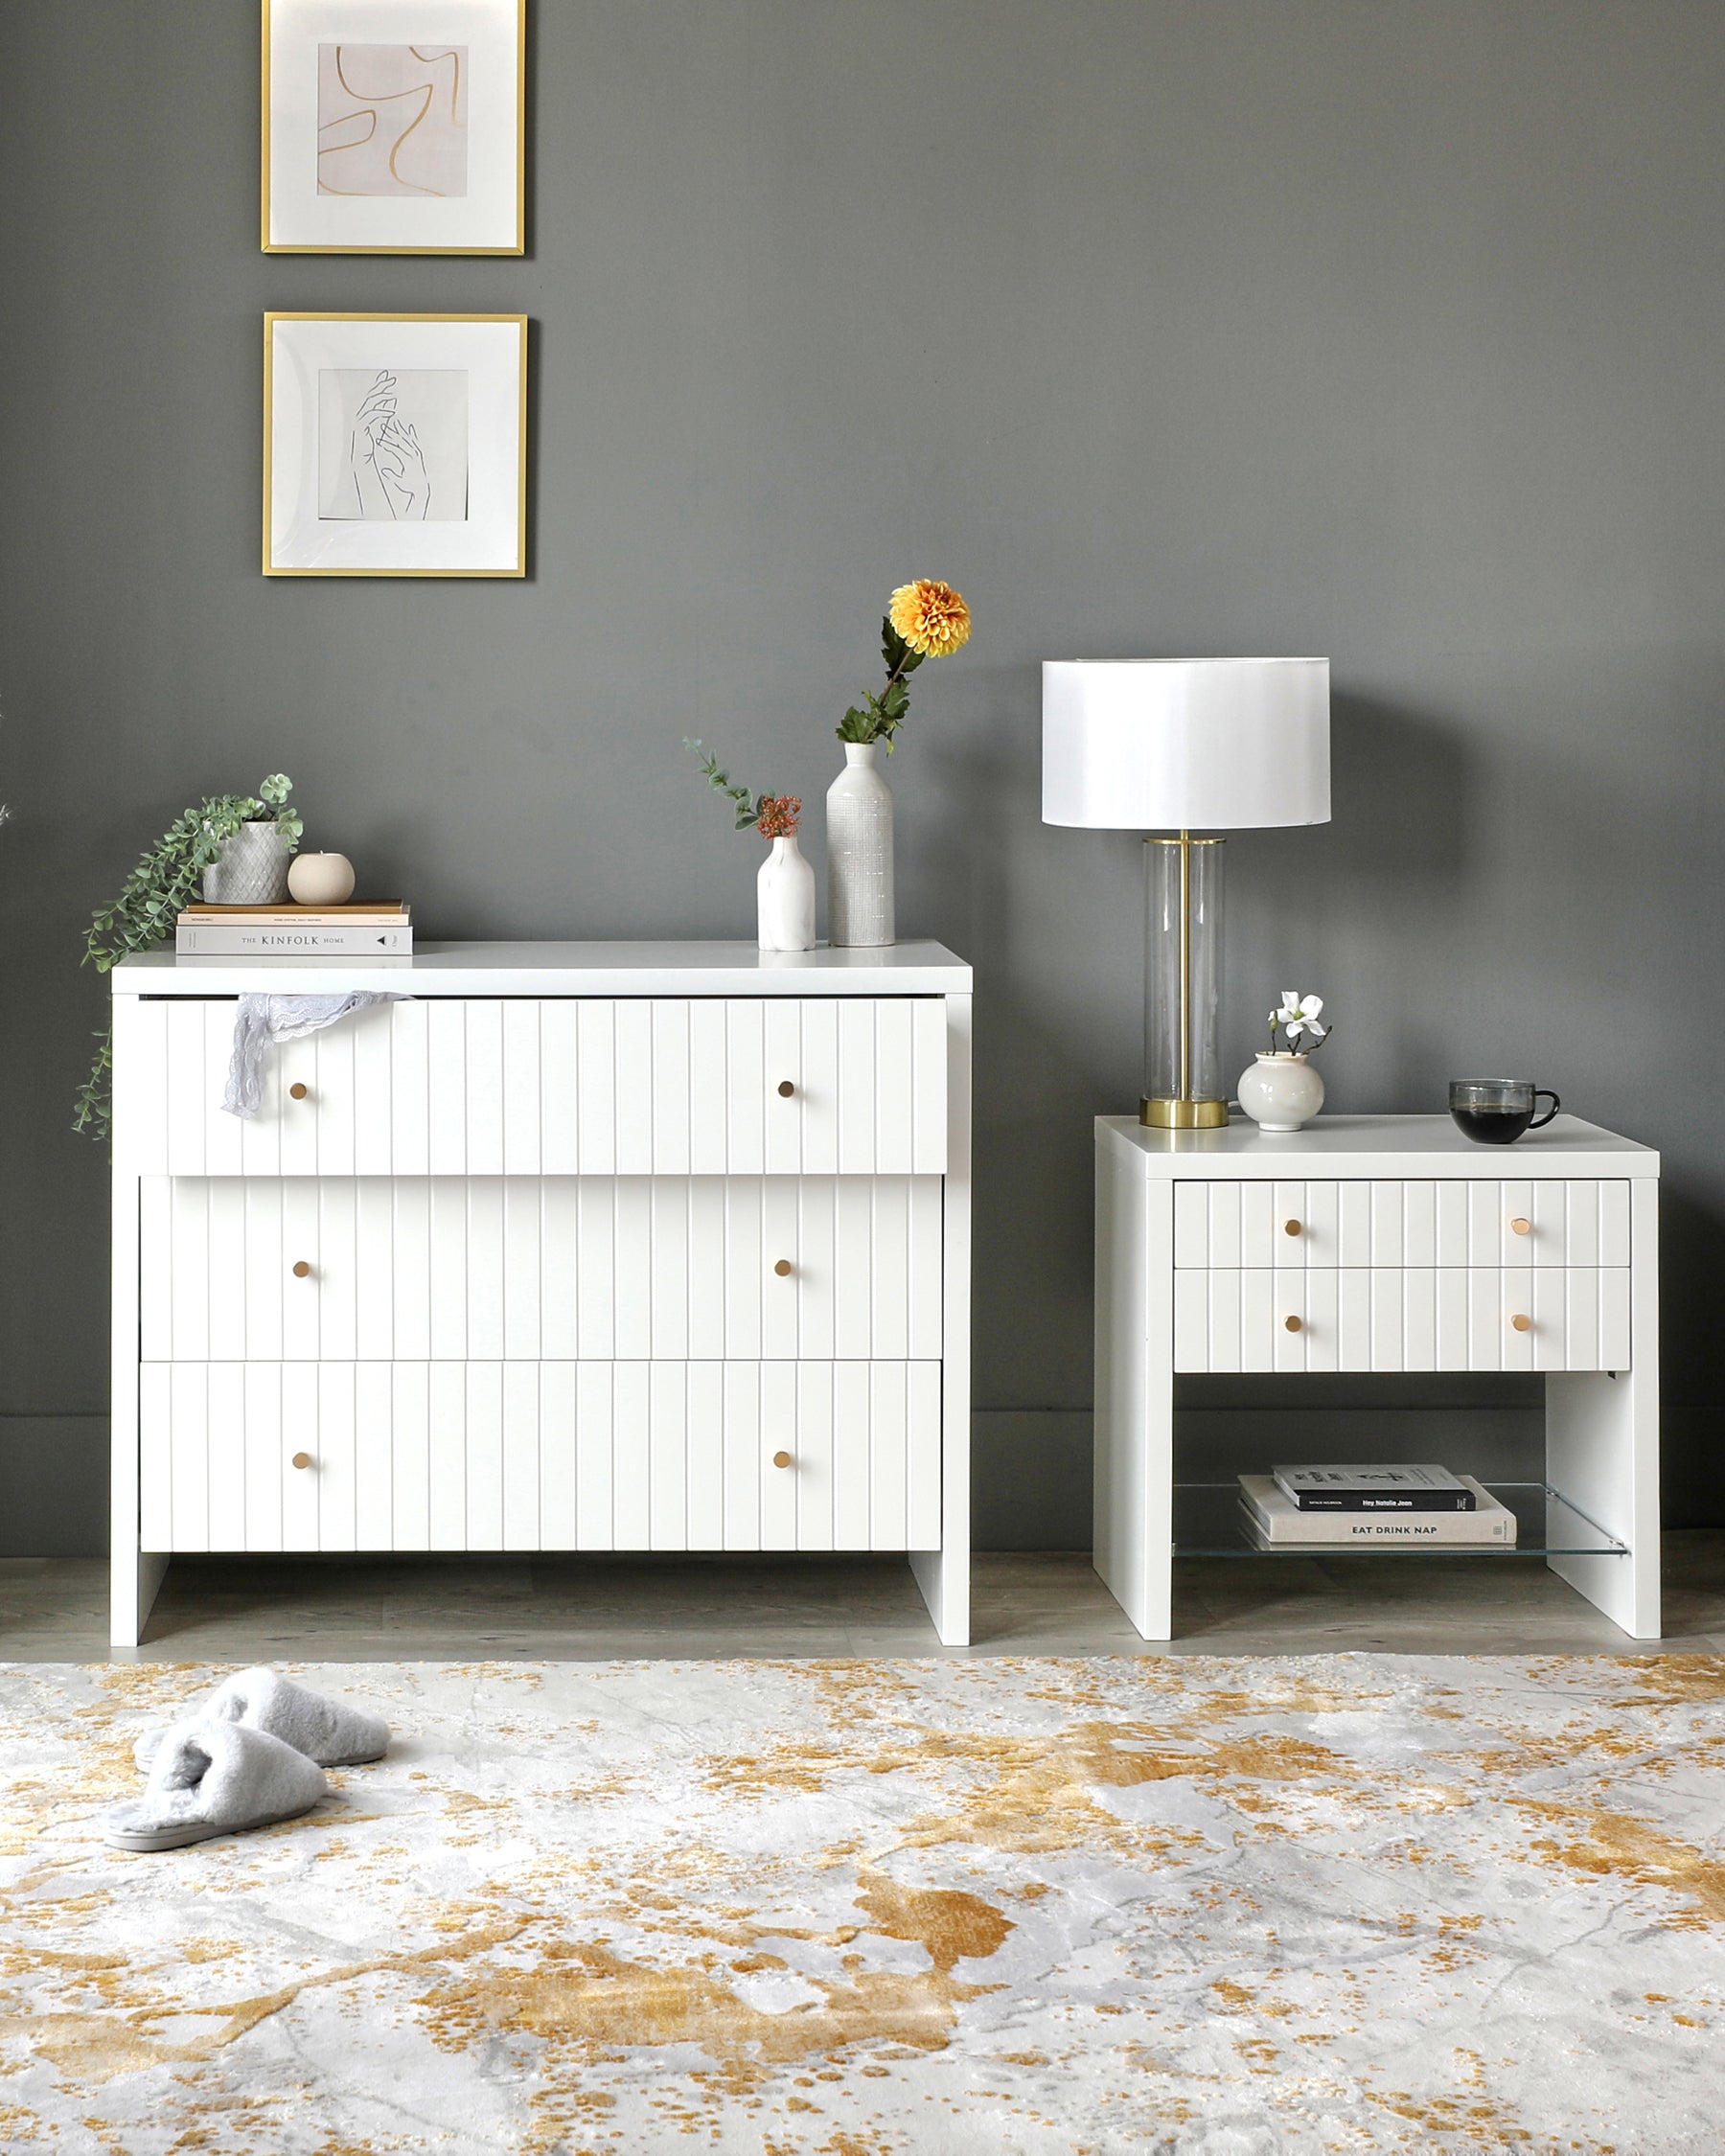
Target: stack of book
294, 931
1395, 1507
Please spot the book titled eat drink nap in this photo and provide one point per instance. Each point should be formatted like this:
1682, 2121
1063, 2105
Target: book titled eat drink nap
1272, 1522
294, 932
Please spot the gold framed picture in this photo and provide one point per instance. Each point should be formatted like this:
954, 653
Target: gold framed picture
395, 444
394, 127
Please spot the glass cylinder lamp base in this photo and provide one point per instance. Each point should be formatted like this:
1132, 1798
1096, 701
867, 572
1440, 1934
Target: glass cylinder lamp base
1184, 1114
1182, 1088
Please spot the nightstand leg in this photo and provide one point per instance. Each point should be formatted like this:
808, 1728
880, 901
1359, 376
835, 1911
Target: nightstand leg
1135, 1395
1602, 1446
1603, 1453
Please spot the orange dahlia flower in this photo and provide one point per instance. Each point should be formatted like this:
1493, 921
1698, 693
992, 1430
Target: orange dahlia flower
931, 616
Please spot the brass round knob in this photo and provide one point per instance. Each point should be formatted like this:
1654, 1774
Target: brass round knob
1292, 1323
302, 1460
1522, 1322
297, 1090
781, 1459
1290, 1228
301, 1270
1520, 1227
786, 1088
783, 1269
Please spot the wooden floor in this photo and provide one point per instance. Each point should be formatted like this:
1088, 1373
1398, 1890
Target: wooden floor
583, 1609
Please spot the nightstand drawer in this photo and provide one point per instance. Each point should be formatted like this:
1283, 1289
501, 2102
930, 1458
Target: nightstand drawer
513, 1267
552, 1085
1302, 1227
1393, 1318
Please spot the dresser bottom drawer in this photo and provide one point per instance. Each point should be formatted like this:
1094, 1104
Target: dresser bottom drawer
539, 1456
1412, 1318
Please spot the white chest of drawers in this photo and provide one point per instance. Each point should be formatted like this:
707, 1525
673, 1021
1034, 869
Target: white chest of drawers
1382, 1243
583, 1247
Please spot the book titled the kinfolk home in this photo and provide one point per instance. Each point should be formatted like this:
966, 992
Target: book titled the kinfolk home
288, 931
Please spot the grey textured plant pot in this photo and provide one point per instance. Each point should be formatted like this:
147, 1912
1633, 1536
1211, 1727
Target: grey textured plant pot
251, 869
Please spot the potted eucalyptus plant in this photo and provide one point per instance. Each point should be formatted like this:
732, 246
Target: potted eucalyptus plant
168, 877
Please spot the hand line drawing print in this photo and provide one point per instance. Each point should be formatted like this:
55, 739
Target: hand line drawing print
393, 444
392, 120
385, 463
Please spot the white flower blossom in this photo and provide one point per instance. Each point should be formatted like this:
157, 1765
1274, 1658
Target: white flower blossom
1298, 1015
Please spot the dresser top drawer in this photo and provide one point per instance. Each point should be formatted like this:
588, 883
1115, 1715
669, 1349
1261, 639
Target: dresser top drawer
528, 1086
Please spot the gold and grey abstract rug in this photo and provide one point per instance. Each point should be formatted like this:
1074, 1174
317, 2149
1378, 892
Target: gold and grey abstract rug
970, 1908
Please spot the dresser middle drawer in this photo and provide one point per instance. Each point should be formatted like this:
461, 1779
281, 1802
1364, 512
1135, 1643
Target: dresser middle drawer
527, 1268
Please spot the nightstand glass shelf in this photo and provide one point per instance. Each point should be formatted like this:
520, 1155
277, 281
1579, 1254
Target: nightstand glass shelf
1207, 1524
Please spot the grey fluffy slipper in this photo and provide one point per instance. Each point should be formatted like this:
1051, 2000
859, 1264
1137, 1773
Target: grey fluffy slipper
211, 1779
329, 1731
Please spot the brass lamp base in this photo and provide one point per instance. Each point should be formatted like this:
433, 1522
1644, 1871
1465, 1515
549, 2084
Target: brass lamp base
1184, 1114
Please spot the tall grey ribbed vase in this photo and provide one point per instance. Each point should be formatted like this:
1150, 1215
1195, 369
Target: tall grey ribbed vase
860, 898
251, 869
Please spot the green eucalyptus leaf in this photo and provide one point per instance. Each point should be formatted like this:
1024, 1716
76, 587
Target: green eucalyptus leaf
162, 880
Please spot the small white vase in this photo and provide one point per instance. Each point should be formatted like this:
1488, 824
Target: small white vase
321, 879
1281, 1091
860, 898
251, 868
785, 899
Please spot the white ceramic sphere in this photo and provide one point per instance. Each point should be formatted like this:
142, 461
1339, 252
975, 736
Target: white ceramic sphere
321, 879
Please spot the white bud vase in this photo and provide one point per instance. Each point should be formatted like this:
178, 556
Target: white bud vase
1281, 1091
860, 899
785, 899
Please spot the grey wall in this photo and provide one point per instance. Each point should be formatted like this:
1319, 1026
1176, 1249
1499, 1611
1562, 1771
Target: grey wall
1157, 326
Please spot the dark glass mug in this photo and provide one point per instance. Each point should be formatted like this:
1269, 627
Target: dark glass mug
1497, 1110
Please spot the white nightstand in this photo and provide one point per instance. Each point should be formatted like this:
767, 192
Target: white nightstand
1382, 1243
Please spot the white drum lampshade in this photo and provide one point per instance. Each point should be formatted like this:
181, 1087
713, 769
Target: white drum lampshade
1185, 746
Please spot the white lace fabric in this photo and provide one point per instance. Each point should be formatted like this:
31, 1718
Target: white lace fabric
262, 1021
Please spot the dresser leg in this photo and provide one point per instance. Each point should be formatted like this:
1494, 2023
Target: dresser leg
944, 1578
135, 1576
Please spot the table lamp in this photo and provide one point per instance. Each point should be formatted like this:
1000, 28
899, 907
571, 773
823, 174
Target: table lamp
1183, 745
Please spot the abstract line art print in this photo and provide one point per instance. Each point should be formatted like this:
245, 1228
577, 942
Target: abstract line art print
392, 445
392, 120
394, 127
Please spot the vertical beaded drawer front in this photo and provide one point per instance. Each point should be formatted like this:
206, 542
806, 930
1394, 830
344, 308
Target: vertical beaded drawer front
1303, 1225
573, 1086
540, 1456
513, 1268
1414, 1317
